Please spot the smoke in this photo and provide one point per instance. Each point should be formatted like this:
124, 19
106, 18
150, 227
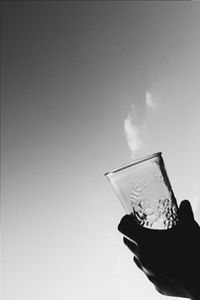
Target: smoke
149, 101
132, 132
142, 139
136, 127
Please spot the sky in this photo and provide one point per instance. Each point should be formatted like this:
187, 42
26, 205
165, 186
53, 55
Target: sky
72, 72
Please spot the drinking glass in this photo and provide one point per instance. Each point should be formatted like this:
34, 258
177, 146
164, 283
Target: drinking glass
144, 190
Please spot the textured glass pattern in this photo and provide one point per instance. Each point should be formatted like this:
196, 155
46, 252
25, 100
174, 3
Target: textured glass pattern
162, 214
144, 190
152, 200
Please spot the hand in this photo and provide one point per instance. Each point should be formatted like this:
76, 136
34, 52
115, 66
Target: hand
169, 258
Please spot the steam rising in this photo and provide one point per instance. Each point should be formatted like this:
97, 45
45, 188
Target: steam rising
149, 100
140, 134
135, 128
132, 133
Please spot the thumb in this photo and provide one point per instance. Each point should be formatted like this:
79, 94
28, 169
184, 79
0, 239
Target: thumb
185, 211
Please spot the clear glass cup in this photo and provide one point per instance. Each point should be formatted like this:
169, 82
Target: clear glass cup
144, 190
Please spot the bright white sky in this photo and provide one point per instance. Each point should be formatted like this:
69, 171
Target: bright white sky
73, 71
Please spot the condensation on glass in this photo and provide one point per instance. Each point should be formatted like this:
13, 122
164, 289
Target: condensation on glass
144, 190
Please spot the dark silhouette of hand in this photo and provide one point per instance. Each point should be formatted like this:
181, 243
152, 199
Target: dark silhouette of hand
169, 258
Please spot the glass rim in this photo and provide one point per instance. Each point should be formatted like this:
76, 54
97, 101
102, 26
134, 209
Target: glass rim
133, 163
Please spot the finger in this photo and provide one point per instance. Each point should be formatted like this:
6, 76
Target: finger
185, 211
131, 245
125, 222
129, 227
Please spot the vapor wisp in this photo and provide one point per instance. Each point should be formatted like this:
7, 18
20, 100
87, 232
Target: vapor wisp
136, 128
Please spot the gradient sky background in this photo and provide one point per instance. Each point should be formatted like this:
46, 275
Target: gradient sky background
71, 72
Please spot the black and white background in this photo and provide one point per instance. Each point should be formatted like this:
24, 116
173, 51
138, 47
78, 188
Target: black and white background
71, 73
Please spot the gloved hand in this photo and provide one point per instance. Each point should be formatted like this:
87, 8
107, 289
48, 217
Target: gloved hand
169, 258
